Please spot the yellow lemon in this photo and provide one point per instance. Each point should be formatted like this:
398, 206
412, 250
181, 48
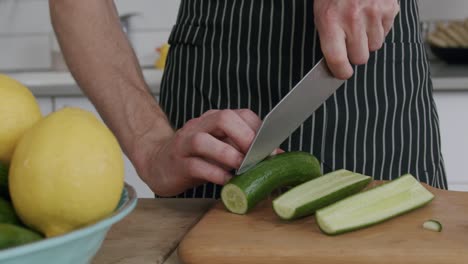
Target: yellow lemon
161, 61
18, 112
67, 172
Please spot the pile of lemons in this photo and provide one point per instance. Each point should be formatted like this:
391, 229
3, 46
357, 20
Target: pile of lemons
58, 172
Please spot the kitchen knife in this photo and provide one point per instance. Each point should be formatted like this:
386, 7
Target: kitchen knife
308, 95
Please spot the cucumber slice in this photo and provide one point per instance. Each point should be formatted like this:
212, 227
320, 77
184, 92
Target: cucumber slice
433, 225
243, 192
373, 206
310, 196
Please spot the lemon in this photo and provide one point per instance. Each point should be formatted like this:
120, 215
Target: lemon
18, 112
67, 172
161, 61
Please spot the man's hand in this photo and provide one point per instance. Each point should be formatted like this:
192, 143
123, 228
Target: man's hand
350, 29
204, 150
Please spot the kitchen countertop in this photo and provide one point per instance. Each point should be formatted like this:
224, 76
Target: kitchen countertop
449, 77
151, 233
445, 78
61, 83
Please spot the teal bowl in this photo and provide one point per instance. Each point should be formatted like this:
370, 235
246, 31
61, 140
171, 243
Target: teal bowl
76, 247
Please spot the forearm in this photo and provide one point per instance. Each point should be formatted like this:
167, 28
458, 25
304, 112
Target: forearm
104, 65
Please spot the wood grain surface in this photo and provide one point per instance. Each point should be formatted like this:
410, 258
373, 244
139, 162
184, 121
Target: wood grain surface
151, 232
261, 237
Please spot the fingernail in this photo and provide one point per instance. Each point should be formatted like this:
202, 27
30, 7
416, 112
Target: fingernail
239, 161
227, 177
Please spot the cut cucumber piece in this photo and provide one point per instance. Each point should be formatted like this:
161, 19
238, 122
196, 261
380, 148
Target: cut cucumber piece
243, 192
373, 206
310, 196
433, 225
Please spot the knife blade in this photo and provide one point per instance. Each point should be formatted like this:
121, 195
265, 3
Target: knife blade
299, 104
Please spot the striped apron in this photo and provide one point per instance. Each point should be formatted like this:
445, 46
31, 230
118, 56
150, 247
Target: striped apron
248, 54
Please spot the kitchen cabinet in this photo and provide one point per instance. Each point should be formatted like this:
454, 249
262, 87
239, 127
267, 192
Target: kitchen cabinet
45, 103
131, 175
453, 111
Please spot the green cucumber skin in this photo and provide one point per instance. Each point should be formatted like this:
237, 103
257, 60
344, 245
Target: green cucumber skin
310, 208
346, 230
7, 213
4, 192
288, 168
12, 236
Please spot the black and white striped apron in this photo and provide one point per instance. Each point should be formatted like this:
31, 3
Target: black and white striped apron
249, 53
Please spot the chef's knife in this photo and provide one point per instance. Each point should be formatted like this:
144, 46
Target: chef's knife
308, 95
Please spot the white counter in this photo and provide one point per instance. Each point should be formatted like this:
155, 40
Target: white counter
444, 77
449, 77
63, 84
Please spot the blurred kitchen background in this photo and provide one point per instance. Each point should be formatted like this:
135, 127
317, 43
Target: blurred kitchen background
30, 54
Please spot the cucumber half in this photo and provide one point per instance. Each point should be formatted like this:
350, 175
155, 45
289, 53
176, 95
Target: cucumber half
373, 206
310, 196
432, 225
243, 192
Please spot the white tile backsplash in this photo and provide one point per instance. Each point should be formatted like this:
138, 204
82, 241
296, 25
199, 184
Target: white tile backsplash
45, 103
25, 31
24, 52
145, 44
153, 14
25, 28
443, 10
24, 16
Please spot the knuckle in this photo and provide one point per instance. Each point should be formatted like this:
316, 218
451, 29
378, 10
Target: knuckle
197, 142
226, 116
353, 14
373, 10
211, 111
394, 4
250, 115
246, 112
191, 123
329, 15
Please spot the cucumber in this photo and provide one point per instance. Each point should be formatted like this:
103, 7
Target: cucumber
243, 192
4, 181
12, 236
7, 213
373, 206
310, 196
432, 225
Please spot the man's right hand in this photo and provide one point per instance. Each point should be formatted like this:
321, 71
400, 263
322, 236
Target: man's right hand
205, 149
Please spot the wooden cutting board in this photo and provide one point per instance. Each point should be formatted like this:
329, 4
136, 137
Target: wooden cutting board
261, 237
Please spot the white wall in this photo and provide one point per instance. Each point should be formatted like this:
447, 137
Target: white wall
453, 108
443, 9
25, 31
